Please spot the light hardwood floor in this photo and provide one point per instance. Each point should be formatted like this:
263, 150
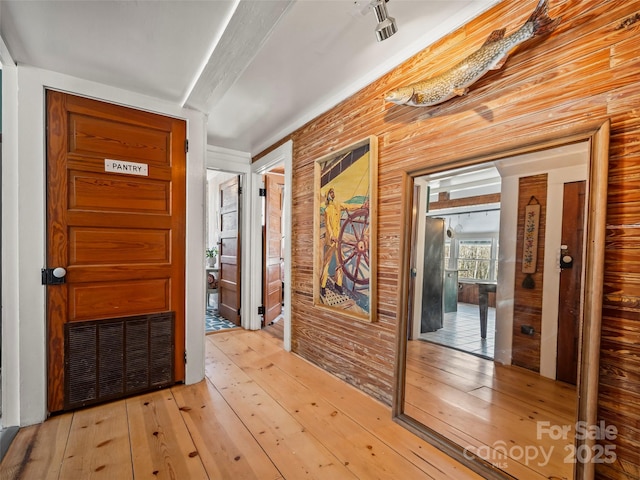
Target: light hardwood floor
261, 413
276, 329
491, 409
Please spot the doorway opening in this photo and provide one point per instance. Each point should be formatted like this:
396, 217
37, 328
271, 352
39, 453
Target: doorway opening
497, 260
222, 253
274, 162
461, 238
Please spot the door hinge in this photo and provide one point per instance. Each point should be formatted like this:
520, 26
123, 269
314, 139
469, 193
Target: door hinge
261, 310
262, 192
238, 311
185, 357
186, 146
239, 190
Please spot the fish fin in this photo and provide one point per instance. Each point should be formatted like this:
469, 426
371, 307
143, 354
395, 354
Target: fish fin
500, 63
460, 91
495, 36
542, 23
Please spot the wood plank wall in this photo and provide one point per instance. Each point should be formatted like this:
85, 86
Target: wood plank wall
586, 71
527, 303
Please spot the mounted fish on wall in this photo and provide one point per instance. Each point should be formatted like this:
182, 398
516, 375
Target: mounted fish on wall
491, 56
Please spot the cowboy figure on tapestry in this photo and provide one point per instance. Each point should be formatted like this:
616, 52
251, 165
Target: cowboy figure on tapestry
344, 282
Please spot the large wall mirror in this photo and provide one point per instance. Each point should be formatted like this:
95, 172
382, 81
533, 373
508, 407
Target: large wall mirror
501, 298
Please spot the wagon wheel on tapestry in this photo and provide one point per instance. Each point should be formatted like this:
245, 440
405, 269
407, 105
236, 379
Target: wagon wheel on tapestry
353, 247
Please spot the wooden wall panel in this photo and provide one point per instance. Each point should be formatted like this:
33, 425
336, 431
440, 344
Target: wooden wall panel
528, 301
587, 70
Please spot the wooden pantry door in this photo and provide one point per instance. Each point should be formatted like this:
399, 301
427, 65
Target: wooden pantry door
116, 224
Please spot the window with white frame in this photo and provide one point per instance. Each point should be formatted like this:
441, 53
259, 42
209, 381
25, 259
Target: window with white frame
477, 258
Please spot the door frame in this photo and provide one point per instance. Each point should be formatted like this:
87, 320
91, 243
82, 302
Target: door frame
28, 233
237, 163
281, 155
10, 263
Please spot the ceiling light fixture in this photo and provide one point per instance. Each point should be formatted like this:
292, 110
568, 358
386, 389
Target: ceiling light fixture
386, 24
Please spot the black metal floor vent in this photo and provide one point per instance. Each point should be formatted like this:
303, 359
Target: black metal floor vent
109, 359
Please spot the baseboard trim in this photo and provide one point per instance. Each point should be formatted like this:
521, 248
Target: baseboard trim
6, 437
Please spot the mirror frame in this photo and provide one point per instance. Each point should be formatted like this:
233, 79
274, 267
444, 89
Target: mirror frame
597, 134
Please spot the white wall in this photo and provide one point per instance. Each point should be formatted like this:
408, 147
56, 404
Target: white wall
506, 270
10, 241
24, 214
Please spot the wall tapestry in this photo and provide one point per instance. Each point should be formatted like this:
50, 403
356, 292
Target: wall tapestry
530, 247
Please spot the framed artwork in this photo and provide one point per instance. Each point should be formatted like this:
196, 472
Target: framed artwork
345, 221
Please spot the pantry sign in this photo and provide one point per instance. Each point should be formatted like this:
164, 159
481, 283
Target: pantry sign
128, 168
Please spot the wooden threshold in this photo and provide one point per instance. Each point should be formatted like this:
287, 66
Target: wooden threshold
260, 413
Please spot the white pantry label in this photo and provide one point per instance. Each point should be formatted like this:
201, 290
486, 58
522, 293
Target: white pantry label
128, 168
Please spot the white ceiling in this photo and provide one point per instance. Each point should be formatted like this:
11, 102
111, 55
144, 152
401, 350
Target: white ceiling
258, 68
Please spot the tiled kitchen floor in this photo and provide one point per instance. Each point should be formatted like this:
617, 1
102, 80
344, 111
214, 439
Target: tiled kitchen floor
461, 330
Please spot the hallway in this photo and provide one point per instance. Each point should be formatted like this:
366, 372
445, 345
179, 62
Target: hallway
261, 413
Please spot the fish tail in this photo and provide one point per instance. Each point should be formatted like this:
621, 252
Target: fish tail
542, 23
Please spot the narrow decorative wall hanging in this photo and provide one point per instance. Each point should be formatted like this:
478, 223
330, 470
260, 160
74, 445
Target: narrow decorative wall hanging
530, 247
490, 56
